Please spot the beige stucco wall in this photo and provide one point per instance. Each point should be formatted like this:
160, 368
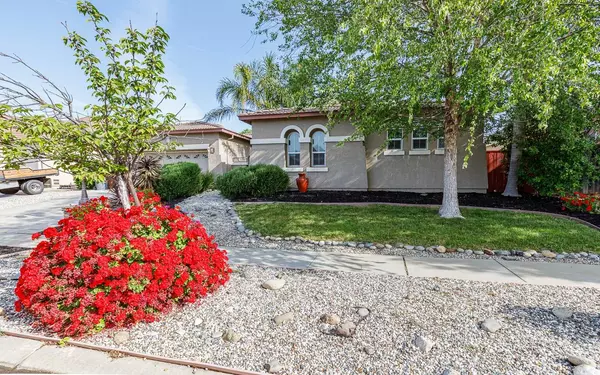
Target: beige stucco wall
262, 129
362, 165
227, 153
423, 173
345, 164
223, 151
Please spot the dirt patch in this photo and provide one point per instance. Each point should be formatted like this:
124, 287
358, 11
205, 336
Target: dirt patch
527, 203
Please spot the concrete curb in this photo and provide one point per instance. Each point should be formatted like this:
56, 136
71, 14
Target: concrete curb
362, 204
21, 362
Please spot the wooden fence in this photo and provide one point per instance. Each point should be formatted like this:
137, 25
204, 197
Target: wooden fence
496, 169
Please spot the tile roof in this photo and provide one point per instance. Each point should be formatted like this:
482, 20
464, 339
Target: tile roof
197, 125
282, 113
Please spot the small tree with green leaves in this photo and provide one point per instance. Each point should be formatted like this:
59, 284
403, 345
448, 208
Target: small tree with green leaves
387, 62
128, 84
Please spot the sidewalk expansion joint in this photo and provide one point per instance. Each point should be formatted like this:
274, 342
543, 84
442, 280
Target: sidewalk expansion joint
511, 271
405, 266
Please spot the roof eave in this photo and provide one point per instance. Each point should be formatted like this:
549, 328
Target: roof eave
249, 117
202, 131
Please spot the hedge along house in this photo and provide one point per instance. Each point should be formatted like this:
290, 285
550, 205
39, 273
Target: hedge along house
301, 142
211, 146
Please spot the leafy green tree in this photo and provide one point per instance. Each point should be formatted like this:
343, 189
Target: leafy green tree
124, 122
257, 85
388, 62
246, 132
559, 156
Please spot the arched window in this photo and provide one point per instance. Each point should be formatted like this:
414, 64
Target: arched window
292, 149
317, 141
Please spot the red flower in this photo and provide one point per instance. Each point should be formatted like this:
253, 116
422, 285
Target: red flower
36, 235
119, 267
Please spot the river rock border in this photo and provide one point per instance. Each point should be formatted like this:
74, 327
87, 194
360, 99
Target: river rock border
526, 253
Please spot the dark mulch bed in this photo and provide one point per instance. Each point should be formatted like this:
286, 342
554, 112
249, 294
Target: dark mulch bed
495, 200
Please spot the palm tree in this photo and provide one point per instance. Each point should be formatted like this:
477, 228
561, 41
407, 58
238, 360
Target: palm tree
257, 85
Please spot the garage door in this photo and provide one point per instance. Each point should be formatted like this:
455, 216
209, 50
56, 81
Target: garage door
200, 158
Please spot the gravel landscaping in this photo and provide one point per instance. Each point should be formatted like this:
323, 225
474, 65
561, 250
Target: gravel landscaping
218, 215
319, 322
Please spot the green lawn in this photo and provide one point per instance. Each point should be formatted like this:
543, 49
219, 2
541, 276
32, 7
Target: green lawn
420, 226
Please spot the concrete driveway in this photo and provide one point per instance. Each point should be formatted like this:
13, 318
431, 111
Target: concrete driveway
22, 215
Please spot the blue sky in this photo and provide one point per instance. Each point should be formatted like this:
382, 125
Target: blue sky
207, 39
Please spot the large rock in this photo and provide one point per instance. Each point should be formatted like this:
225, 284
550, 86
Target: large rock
562, 312
577, 360
346, 329
585, 370
331, 319
274, 284
283, 318
450, 371
121, 337
274, 367
548, 254
363, 312
424, 344
491, 325
231, 336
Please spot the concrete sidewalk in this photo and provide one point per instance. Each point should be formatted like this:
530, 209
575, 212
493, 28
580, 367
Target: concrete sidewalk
19, 355
504, 271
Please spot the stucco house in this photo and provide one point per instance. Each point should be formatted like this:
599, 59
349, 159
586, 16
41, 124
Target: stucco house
214, 148
299, 141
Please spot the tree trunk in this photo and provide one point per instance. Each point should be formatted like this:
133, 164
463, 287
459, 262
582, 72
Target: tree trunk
450, 207
132, 189
511, 189
122, 191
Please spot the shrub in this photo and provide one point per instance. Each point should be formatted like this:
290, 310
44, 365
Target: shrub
110, 268
589, 203
207, 181
259, 180
179, 180
147, 172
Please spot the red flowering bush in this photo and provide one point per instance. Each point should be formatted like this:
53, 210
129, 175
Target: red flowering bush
589, 203
111, 268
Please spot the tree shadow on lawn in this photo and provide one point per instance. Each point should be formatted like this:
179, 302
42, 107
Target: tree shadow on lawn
422, 226
581, 328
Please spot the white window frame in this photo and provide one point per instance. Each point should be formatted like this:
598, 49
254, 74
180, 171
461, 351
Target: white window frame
401, 139
413, 138
312, 151
394, 151
288, 153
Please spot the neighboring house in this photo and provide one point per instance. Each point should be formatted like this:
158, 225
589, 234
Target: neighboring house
211, 146
301, 142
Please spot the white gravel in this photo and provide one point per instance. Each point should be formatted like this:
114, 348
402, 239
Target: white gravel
448, 312
218, 215
20, 199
